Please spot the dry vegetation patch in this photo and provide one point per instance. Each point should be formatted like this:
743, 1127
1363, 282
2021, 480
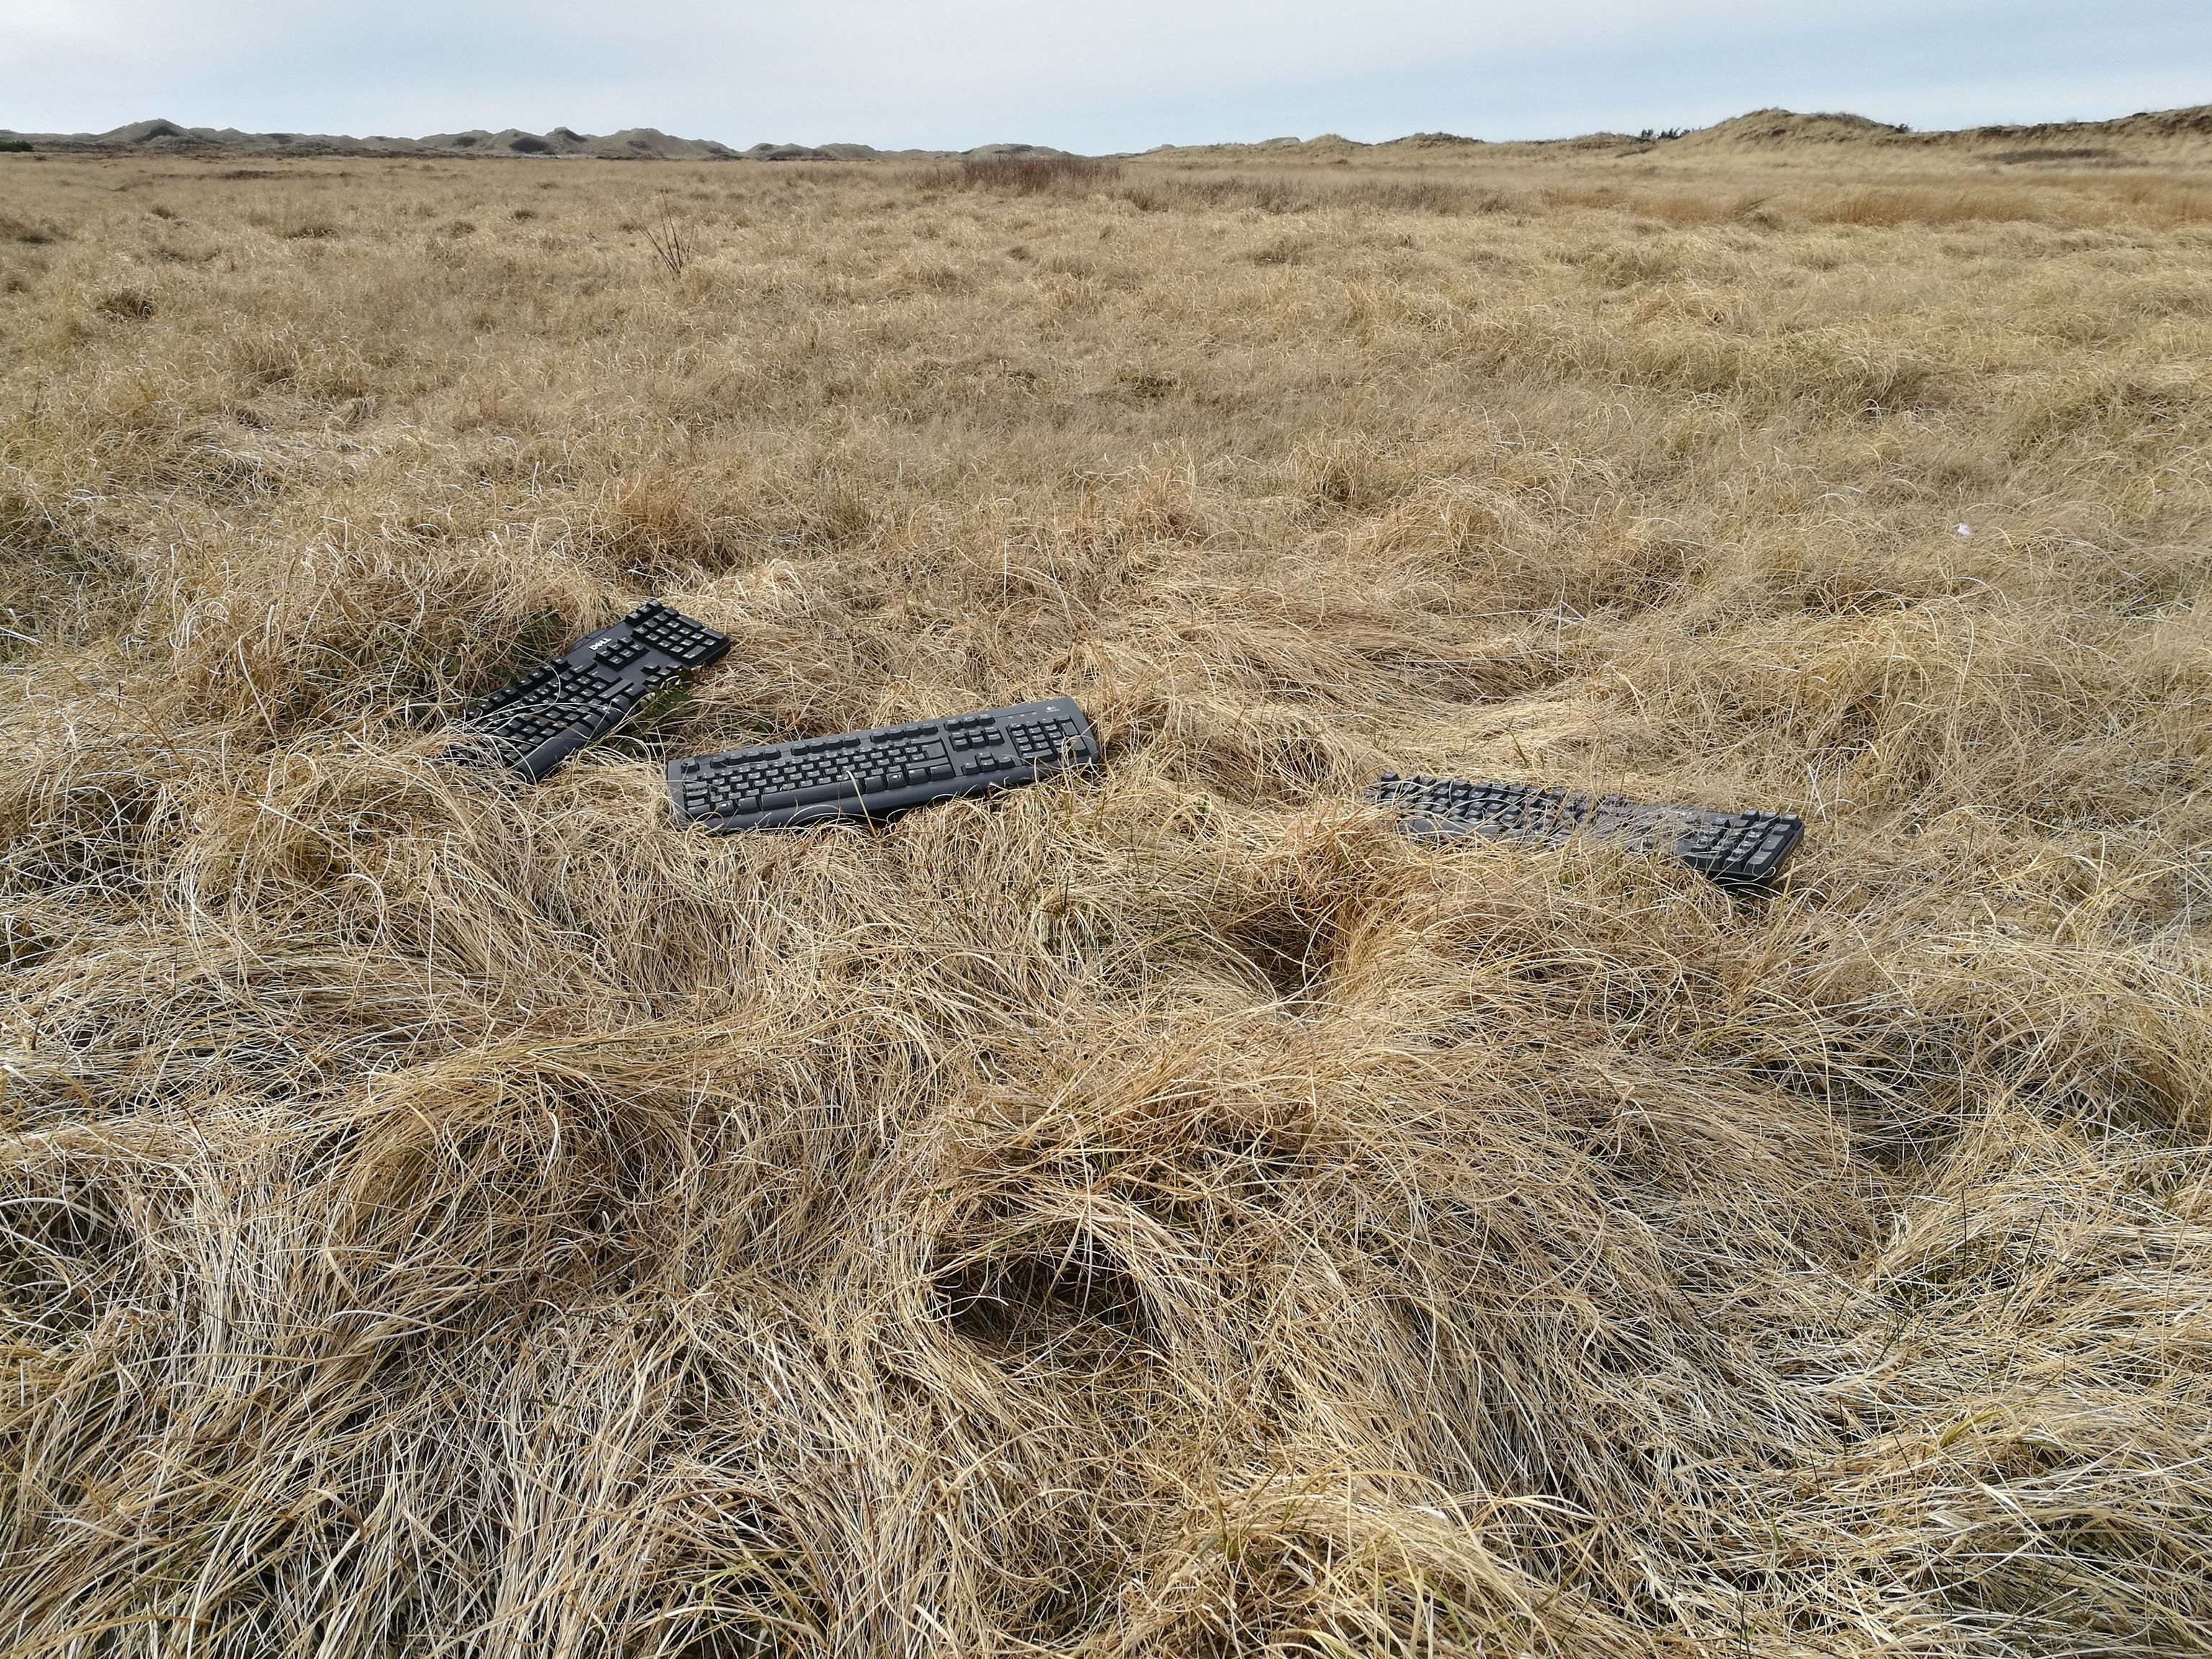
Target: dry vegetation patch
1161, 1212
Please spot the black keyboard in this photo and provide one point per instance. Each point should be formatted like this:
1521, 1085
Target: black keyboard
1737, 849
530, 726
873, 775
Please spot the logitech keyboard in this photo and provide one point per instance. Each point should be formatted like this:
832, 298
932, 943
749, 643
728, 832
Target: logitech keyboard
1737, 849
531, 724
873, 774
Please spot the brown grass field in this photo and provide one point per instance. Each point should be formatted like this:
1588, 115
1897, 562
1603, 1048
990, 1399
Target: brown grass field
1160, 1212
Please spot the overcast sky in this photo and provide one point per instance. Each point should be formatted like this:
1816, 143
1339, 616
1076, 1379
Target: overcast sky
1088, 75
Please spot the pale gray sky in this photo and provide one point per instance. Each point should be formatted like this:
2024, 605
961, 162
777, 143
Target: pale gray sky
1089, 74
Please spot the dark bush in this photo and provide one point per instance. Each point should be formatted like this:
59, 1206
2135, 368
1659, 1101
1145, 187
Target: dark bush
1035, 175
1287, 194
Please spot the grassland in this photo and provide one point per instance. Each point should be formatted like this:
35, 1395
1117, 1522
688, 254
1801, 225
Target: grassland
1162, 1213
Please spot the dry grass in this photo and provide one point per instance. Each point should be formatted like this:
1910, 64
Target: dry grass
1162, 1213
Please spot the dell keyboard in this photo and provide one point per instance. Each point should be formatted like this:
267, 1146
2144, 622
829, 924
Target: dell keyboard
1736, 849
873, 775
531, 724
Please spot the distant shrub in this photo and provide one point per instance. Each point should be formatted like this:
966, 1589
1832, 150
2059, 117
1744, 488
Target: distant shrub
1035, 175
29, 234
1386, 193
2077, 153
1425, 196
1890, 206
15, 147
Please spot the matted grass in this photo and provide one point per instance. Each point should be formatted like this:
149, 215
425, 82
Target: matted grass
1161, 1212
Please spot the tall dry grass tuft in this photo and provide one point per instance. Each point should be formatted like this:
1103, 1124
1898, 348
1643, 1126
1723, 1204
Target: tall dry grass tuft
673, 242
1161, 1212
